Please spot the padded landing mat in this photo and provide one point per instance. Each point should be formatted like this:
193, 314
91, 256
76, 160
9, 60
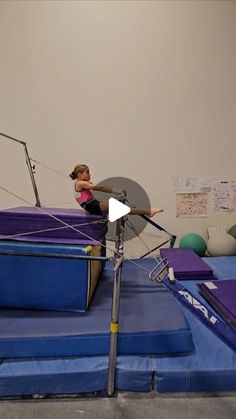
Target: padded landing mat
150, 323
212, 366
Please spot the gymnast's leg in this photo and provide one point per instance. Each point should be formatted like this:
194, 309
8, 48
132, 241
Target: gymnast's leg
134, 211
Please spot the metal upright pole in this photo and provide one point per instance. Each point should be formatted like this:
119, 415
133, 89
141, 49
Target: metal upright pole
38, 204
28, 162
114, 325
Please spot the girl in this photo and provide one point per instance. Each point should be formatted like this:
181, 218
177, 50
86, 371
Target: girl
85, 197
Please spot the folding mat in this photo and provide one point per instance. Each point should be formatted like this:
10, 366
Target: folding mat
187, 264
51, 225
222, 296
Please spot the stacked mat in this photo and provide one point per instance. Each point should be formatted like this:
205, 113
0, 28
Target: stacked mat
48, 276
40, 263
221, 295
187, 264
51, 225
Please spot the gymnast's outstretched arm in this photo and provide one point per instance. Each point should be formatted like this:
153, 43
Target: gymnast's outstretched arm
81, 184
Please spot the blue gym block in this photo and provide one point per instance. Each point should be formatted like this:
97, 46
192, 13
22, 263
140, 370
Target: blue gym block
47, 276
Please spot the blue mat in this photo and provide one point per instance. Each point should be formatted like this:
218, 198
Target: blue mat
150, 323
212, 367
224, 266
47, 276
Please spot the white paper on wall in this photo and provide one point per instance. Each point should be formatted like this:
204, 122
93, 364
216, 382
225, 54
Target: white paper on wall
224, 195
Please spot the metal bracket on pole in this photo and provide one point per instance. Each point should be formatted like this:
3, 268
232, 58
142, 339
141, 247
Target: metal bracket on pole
118, 263
161, 270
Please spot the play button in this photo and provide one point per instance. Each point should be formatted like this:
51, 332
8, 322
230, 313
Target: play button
137, 197
116, 209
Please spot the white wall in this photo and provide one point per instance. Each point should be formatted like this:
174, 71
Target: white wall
140, 89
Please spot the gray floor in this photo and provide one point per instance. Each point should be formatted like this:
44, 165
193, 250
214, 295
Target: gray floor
126, 405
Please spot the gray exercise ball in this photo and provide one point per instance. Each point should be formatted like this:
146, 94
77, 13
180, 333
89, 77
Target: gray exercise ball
221, 244
232, 231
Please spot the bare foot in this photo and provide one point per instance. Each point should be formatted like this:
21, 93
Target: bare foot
154, 212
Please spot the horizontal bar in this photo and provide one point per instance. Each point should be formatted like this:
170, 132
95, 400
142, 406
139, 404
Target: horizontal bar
52, 255
12, 138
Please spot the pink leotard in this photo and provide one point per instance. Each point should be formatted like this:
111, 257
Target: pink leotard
84, 196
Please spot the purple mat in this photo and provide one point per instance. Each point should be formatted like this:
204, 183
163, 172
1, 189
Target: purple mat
41, 225
221, 295
187, 264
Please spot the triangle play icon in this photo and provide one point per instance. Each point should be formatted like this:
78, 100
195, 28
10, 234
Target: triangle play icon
116, 209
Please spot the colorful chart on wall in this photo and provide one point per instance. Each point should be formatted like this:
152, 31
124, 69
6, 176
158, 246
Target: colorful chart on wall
191, 204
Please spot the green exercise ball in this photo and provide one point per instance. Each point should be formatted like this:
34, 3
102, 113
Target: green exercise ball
195, 242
